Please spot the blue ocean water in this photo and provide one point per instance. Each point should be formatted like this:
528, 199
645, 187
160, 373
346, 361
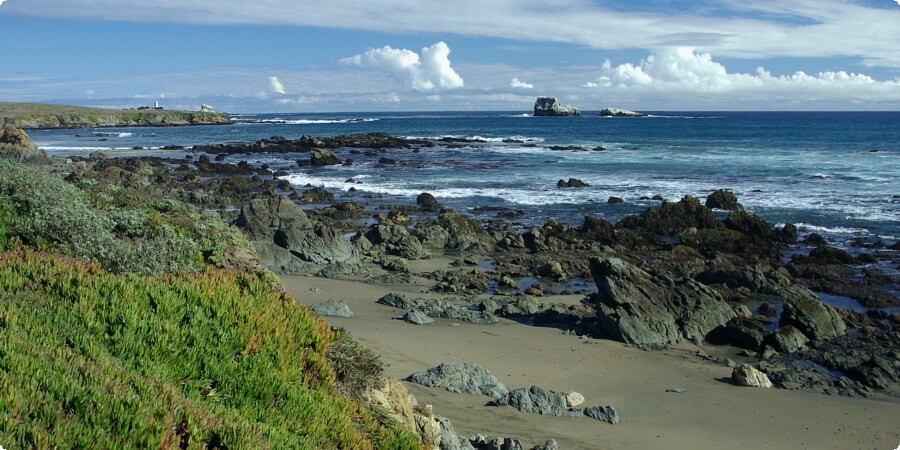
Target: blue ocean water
834, 173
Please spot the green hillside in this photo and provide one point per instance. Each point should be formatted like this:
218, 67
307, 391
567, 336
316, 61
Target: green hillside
39, 115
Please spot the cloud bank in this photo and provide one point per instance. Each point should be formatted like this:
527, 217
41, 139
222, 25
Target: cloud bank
682, 71
426, 72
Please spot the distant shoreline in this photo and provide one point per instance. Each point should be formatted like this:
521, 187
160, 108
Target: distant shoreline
38, 116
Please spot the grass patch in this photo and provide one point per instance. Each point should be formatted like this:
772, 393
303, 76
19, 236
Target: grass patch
90, 359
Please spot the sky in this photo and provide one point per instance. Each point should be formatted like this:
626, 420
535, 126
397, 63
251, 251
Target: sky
462, 55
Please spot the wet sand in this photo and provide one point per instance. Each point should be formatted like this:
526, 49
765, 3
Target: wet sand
710, 414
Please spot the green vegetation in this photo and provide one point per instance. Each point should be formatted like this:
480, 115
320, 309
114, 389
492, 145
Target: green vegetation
192, 357
38, 115
125, 230
217, 360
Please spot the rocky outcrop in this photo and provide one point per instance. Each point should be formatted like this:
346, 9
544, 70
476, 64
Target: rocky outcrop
550, 106
453, 231
807, 313
551, 403
672, 218
461, 378
636, 307
15, 145
618, 112
438, 308
289, 240
392, 396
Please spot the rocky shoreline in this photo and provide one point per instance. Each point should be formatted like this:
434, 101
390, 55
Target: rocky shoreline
705, 274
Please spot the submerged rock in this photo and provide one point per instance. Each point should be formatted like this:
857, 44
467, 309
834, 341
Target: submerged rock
550, 106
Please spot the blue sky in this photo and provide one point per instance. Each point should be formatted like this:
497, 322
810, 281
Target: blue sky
386, 55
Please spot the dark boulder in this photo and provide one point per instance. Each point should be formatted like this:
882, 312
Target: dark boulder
723, 199
322, 157
427, 202
571, 183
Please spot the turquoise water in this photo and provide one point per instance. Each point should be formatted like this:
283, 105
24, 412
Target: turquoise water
833, 173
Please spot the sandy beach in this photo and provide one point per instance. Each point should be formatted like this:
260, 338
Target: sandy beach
711, 413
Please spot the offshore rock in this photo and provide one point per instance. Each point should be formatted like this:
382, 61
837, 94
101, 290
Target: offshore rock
636, 307
618, 112
550, 106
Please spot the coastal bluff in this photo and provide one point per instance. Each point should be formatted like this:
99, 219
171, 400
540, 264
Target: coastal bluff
551, 106
45, 116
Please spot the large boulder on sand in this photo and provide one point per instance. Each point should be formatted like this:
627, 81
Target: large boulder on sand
550, 106
639, 308
749, 376
461, 378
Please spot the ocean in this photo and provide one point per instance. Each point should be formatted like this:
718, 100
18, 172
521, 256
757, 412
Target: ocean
834, 173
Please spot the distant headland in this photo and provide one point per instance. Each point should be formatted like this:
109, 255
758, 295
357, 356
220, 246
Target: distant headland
44, 116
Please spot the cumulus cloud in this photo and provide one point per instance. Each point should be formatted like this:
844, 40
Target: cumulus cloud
518, 84
680, 71
429, 71
275, 86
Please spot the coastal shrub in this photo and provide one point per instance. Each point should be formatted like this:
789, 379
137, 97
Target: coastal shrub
89, 359
124, 229
93, 118
357, 368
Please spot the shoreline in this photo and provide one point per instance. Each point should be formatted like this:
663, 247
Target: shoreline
711, 413
437, 254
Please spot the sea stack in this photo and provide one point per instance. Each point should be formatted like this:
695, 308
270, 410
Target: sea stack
618, 112
550, 106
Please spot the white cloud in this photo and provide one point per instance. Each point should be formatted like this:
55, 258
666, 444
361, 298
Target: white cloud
516, 83
430, 71
275, 86
730, 28
681, 72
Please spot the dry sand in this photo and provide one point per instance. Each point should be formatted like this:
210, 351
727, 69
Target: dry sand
711, 413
